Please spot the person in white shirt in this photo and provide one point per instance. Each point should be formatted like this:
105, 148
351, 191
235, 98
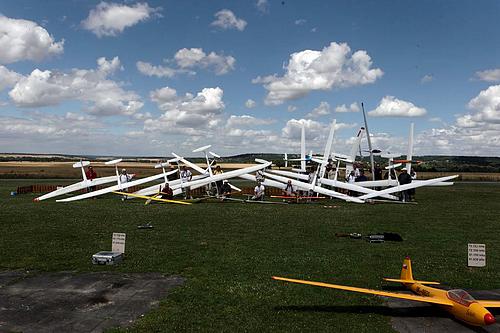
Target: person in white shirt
351, 178
259, 192
186, 176
124, 178
357, 172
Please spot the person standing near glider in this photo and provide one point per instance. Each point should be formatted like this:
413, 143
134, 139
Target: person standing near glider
91, 175
123, 179
186, 176
403, 179
218, 171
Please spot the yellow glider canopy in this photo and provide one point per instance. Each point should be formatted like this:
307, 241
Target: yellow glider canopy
369, 291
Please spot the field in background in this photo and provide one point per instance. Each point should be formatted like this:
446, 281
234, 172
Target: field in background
228, 251
63, 170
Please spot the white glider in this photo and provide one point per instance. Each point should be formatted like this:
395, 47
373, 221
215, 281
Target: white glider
226, 175
119, 187
405, 187
85, 183
312, 187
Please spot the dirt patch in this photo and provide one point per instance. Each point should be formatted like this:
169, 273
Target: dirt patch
69, 302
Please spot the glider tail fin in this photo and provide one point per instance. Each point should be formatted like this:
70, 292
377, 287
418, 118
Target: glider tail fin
303, 148
357, 142
409, 155
406, 273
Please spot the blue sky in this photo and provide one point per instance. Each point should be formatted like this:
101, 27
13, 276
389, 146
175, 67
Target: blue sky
148, 78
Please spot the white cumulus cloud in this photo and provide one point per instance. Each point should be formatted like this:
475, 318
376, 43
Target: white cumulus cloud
246, 120
8, 78
47, 126
25, 40
489, 75
323, 109
333, 67
426, 78
486, 106
100, 95
225, 19
250, 104
316, 132
263, 6
196, 57
390, 106
159, 71
110, 19
187, 60
475, 133
186, 114
354, 107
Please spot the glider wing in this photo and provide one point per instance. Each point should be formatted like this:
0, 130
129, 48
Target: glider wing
117, 187
370, 291
489, 304
407, 187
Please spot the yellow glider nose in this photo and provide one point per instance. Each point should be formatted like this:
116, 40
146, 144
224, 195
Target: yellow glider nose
489, 319
477, 314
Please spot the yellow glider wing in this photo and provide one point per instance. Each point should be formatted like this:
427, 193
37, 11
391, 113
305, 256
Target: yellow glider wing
489, 304
370, 291
153, 198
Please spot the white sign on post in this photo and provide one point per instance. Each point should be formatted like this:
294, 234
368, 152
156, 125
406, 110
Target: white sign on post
477, 255
118, 244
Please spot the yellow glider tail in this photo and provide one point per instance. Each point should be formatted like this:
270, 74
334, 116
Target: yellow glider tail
406, 273
370, 291
411, 281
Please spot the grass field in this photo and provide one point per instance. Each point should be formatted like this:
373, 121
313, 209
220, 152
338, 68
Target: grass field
228, 252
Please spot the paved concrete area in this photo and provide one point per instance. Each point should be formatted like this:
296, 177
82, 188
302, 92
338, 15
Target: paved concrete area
413, 317
69, 302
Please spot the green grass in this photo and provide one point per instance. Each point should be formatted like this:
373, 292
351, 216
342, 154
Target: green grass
229, 251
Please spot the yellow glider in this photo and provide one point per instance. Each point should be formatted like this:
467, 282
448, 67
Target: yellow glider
457, 302
153, 198
368, 291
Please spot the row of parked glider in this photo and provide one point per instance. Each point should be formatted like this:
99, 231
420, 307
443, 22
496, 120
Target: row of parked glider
300, 179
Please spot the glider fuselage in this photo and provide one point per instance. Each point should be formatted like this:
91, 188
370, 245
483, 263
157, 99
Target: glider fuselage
464, 307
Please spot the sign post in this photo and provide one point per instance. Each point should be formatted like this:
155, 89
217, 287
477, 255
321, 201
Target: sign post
118, 243
476, 255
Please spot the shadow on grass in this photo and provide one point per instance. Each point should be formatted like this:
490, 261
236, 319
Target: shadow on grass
420, 311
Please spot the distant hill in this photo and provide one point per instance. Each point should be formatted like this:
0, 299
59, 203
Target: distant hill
436, 163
